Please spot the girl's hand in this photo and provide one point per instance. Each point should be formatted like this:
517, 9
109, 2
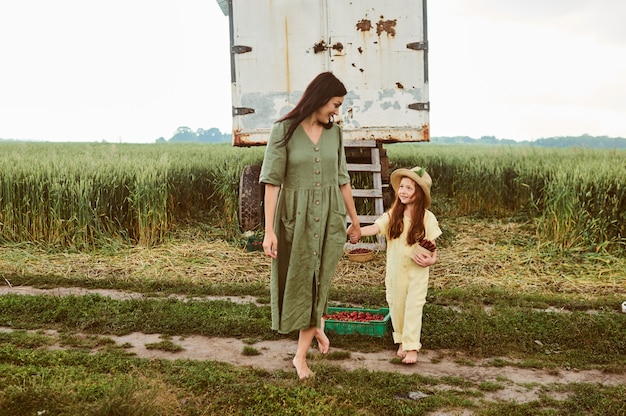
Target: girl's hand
425, 260
270, 244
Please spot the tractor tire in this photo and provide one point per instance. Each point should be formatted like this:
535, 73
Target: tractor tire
250, 199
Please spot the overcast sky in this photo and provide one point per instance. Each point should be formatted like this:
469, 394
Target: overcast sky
136, 70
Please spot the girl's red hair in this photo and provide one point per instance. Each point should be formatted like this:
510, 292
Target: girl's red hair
396, 224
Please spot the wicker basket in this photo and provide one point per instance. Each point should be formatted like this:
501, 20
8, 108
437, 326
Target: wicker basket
360, 257
421, 250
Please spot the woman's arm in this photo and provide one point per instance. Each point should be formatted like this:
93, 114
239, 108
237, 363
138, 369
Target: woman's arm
270, 242
354, 231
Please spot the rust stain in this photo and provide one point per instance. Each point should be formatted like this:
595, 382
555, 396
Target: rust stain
248, 143
319, 47
421, 135
364, 25
243, 140
360, 49
388, 26
338, 46
426, 132
238, 138
399, 85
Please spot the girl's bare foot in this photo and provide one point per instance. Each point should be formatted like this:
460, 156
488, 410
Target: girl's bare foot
323, 342
410, 358
401, 353
302, 369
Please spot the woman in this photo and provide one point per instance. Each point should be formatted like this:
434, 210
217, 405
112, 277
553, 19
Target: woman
307, 196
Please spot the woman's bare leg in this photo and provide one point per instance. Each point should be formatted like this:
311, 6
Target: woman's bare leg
322, 340
299, 361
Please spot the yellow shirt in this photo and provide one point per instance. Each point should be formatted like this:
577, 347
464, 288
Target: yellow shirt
399, 252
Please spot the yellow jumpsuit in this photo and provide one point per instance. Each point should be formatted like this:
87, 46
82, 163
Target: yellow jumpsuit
406, 283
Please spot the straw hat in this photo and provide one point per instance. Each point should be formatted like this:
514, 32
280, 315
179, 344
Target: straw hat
419, 175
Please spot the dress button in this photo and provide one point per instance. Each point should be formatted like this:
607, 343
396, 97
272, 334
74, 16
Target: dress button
317, 159
317, 149
316, 235
315, 253
317, 184
317, 219
317, 202
317, 172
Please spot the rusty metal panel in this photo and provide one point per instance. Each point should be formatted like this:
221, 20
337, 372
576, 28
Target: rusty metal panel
384, 76
278, 46
270, 77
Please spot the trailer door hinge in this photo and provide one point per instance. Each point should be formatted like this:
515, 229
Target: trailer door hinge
420, 106
321, 46
240, 49
418, 46
242, 111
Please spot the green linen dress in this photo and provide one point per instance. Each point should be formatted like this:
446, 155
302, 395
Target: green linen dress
310, 223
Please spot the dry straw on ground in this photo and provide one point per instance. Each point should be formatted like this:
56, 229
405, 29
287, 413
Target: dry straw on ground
479, 253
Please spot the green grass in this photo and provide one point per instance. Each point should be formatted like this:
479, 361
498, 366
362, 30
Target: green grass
75, 382
165, 345
250, 351
576, 339
101, 315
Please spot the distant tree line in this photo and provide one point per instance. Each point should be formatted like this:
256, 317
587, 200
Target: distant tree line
186, 135
584, 141
214, 135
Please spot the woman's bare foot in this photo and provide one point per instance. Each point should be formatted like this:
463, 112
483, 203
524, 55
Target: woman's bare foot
302, 369
323, 343
410, 358
401, 353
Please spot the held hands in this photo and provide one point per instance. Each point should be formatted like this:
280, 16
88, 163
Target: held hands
354, 233
270, 244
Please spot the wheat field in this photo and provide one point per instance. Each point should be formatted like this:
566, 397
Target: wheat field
84, 195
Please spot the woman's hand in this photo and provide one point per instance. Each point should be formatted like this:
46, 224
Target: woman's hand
354, 233
270, 244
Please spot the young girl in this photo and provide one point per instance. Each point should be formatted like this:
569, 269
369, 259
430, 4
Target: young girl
405, 225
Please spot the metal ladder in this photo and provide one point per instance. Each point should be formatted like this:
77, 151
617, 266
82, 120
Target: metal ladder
363, 148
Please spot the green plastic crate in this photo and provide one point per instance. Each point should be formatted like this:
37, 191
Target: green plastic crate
372, 328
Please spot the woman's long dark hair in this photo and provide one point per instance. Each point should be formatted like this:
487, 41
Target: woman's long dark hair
319, 91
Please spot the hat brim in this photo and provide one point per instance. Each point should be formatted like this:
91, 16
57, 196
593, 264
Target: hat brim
424, 182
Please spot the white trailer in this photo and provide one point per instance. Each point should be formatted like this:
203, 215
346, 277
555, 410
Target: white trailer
377, 48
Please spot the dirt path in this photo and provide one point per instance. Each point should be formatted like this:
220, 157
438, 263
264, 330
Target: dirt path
520, 385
